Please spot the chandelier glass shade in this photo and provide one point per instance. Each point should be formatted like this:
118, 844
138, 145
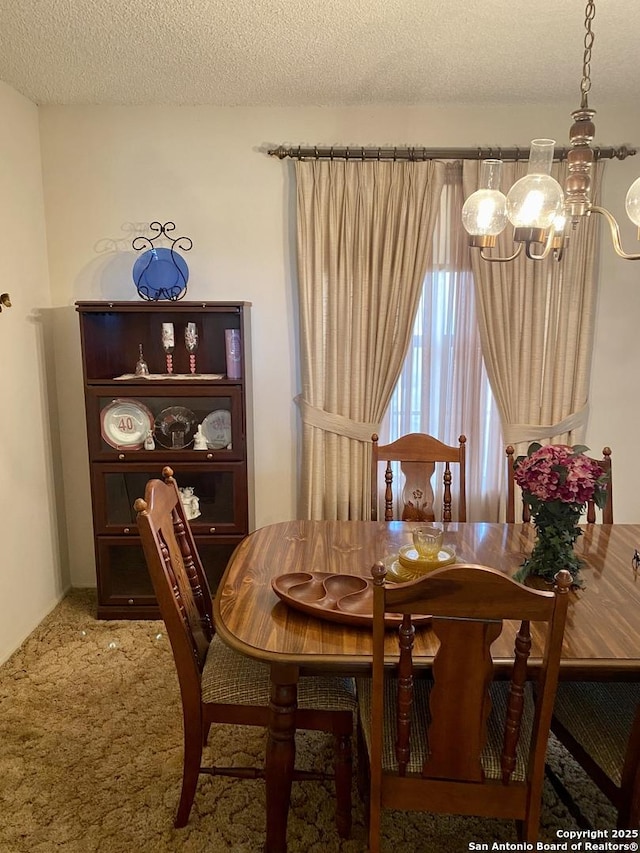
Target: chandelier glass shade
539, 209
484, 213
632, 202
535, 200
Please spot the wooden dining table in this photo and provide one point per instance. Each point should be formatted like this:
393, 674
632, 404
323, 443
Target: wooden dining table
601, 642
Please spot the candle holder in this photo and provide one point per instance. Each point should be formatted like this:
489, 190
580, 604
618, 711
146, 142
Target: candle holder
168, 344
191, 344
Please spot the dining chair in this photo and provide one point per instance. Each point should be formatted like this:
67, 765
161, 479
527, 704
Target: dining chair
217, 684
606, 514
599, 723
418, 455
461, 742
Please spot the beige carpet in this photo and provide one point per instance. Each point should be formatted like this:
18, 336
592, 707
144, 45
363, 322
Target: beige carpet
90, 760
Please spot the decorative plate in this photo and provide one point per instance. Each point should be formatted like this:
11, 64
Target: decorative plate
125, 424
409, 557
216, 428
160, 274
175, 427
337, 598
401, 569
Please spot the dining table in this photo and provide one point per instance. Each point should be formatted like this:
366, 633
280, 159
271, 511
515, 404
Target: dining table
257, 613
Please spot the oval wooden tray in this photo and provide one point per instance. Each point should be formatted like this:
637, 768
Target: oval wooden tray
338, 598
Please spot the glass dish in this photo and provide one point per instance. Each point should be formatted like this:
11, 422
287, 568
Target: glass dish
175, 427
400, 567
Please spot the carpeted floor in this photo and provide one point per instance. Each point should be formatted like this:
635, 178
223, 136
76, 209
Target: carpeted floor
90, 760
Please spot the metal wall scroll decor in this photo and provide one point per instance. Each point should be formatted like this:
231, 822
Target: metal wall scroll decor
161, 272
5, 301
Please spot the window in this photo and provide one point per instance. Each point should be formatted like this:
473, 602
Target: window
443, 389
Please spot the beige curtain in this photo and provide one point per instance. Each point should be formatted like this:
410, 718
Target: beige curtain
443, 387
537, 325
364, 231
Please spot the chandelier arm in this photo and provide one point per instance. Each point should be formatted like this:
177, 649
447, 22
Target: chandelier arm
501, 260
548, 247
615, 234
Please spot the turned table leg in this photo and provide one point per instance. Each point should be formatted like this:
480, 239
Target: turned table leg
280, 754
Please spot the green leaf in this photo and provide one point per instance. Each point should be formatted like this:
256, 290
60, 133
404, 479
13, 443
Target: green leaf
600, 498
578, 449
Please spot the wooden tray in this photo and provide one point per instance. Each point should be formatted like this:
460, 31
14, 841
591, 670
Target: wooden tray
338, 598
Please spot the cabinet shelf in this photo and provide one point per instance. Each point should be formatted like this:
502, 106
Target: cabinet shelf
173, 382
111, 334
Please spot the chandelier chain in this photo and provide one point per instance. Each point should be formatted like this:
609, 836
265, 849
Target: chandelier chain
585, 84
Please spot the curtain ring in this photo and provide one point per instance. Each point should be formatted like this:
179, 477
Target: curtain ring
379, 154
395, 154
315, 152
346, 153
298, 155
331, 153
362, 153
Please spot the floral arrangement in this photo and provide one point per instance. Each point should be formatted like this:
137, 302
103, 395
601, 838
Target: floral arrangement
557, 472
556, 482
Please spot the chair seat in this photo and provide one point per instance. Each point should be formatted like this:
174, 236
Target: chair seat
599, 717
230, 678
418, 743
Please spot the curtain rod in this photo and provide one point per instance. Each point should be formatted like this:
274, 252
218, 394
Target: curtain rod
348, 152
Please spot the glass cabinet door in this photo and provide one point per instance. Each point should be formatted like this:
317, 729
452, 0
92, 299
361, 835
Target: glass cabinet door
133, 423
213, 497
126, 581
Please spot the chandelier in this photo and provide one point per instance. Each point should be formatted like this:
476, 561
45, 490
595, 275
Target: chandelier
536, 205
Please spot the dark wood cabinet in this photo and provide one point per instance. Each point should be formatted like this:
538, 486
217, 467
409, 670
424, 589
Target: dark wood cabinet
123, 409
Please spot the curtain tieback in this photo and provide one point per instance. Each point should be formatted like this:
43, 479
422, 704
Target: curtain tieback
516, 433
339, 424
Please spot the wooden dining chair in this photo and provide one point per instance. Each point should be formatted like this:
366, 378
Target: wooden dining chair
418, 455
217, 684
461, 743
606, 514
599, 723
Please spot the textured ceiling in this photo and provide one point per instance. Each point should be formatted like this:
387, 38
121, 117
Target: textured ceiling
315, 52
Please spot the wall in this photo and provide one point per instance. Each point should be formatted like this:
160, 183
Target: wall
31, 567
206, 169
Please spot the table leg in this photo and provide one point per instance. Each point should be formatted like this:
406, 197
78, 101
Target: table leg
280, 754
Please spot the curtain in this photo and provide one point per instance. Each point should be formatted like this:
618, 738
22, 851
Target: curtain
537, 323
364, 230
443, 388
